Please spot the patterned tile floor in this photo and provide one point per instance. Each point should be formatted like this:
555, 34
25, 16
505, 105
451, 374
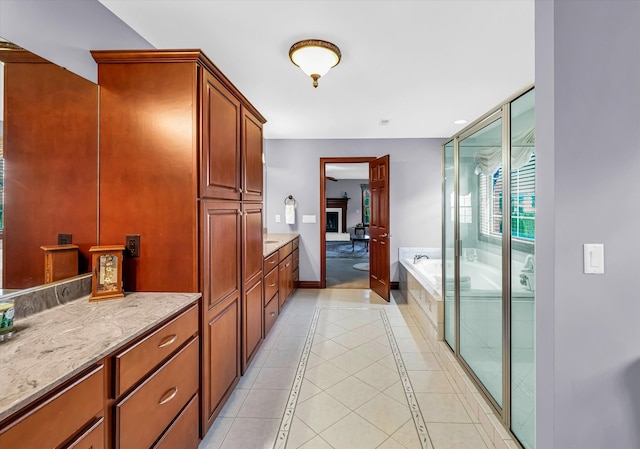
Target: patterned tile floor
343, 369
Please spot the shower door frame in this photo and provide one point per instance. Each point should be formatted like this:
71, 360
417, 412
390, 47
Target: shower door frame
502, 111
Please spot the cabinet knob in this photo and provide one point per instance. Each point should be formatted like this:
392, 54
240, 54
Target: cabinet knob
168, 341
273, 314
273, 284
169, 395
240, 190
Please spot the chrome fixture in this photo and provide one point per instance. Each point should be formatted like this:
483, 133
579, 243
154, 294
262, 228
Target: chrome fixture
315, 57
417, 257
527, 274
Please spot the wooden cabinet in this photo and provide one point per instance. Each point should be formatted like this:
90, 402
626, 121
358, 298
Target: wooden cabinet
220, 171
280, 280
62, 417
252, 182
181, 150
222, 285
158, 376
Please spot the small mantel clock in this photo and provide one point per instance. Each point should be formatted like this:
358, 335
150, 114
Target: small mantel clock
106, 262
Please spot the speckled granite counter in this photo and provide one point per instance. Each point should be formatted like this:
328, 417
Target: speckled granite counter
272, 242
52, 346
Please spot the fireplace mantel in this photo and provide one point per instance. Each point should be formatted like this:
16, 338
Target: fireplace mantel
340, 203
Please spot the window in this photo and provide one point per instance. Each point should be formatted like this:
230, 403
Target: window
466, 211
523, 202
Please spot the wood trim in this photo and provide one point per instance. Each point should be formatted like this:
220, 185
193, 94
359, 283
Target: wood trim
183, 55
310, 284
323, 212
7, 56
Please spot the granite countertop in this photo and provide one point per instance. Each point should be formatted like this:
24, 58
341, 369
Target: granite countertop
52, 346
273, 242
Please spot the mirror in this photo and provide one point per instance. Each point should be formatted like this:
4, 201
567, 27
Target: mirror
49, 159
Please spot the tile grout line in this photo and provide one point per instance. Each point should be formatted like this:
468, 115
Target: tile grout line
423, 434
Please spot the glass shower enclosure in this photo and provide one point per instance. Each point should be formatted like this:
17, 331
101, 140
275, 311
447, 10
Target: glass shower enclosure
489, 265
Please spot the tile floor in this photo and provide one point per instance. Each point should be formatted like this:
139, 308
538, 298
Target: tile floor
354, 388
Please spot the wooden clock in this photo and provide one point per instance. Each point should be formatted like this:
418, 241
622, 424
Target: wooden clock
107, 272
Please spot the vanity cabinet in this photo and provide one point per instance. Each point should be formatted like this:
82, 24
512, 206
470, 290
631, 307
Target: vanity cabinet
70, 417
280, 280
271, 291
158, 377
181, 160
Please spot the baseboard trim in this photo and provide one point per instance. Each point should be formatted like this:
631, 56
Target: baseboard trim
309, 284
395, 285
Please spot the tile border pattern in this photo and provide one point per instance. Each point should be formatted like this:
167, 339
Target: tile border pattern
287, 418
418, 420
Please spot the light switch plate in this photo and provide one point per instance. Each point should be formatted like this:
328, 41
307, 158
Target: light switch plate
277, 218
308, 218
593, 258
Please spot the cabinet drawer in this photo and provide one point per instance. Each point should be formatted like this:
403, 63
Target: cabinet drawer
270, 284
296, 243
285, 251
143, 415
270, 262
270, 314
183, 432
60, 417
93, 438
134, 363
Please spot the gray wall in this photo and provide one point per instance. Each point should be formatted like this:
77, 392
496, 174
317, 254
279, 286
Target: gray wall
293, 168
63, 31
588, 143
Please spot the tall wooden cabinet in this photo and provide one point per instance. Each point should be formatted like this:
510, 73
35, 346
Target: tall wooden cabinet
181, 165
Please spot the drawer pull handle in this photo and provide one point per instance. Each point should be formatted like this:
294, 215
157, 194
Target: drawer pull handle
272, 262
168, 341
273, 284
170, 394
273, 314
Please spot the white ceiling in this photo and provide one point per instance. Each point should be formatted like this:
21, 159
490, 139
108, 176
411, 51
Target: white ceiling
419, 64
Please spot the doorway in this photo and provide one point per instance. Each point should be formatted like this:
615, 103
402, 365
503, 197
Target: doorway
344, 222
347, 213
370, 233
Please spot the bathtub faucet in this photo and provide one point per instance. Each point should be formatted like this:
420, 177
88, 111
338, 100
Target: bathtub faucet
417, 257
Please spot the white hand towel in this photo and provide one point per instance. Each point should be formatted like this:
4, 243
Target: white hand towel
289, 214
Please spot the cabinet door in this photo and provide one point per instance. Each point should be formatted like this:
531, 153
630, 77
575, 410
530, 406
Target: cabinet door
221, 286
252, 171
252, 314
220, 140
282, 281
252, 242
221, 361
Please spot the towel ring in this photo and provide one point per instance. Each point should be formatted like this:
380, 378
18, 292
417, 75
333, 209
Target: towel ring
290, 200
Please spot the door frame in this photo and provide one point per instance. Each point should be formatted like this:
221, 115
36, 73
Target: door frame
323, 207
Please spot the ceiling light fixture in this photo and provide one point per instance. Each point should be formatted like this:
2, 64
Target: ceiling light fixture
460, 122
315, 57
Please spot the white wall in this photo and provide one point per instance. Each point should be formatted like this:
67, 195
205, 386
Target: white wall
588, 150
336, 189
293, 167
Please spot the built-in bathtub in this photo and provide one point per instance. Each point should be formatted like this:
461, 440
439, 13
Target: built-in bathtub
480, 283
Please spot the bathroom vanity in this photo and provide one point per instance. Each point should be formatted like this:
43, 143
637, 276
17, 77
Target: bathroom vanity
122, 373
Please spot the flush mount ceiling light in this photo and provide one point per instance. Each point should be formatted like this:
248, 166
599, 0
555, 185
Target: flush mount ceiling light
315, 57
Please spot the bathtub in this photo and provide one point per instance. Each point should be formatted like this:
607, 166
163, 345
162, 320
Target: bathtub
477, 279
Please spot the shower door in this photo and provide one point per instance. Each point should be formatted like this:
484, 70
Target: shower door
449, 238
480, 285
